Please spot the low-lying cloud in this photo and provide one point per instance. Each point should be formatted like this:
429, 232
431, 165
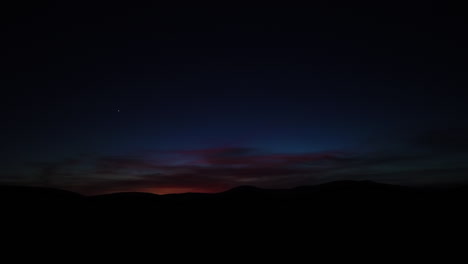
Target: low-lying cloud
434, 157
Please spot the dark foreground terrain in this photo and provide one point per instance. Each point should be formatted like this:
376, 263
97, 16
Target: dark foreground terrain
339, 213
340, 202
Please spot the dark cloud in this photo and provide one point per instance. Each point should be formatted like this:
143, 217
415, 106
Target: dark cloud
254, 157
119, 164
157, 183
214, 170
221, 169
418, 176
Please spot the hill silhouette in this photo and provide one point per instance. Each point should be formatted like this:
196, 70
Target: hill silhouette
359, 203
334, 211
12, 196
337, 195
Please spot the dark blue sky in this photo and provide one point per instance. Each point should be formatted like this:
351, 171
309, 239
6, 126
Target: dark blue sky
117, 97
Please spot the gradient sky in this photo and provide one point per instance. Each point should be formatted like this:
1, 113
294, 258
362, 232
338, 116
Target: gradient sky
120, 97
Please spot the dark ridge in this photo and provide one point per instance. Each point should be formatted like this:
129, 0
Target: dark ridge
187, 196
262, 217
124, 200
20, 204
126, 195
35, 194
350, 194
244, 189
348, 186
41, 193
359, 205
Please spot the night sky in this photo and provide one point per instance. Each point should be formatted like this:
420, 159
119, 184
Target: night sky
144, 97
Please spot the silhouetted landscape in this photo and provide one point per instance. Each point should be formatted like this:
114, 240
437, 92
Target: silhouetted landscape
230, 126
351, 199
346, 214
